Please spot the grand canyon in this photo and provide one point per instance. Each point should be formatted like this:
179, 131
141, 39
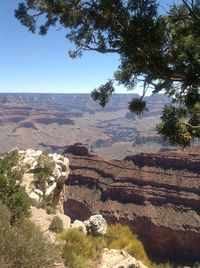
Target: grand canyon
54, 121
119, 166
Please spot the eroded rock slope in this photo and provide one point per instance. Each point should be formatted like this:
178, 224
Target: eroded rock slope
158, 196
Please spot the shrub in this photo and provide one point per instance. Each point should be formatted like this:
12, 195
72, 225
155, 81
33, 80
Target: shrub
56, 225
23, 245
79, 251
46, 167
41, 178
46, 163
5, 216
19, 204
12, 193
121, 237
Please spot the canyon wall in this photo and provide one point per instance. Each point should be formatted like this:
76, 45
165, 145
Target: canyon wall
158, 196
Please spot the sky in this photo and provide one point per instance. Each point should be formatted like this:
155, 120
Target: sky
33, 63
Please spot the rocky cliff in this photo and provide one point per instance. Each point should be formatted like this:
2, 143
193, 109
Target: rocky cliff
158, 196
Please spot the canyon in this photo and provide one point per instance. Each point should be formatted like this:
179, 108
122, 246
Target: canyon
120, 167
54, 121
157, 195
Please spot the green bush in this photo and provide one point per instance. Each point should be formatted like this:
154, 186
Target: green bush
19, 204
41, 178
46, 163
79, 251
46, 166
121, 237
12, 193
56, 225
5, 216
23, 245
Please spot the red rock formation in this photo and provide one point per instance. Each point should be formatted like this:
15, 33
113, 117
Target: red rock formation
78, 149
159, 202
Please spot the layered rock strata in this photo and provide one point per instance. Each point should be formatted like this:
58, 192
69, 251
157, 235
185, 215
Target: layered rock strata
161, 203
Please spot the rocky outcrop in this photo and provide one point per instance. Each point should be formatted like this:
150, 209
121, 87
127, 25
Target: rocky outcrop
114, 258
31, 162
158, 196
172, 160
78, 149
96, 225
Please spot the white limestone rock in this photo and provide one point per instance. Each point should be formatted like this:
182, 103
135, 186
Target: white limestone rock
13, 151
34, 196
114, 258
28, 161
57, 171
65, 219
96, 225
80, 226
38, 192
50, 189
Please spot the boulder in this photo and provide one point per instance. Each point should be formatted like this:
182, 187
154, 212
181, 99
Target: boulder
114, 258
38, 192
34, 196
13, 151
65, 219
80, 226
57, 171
50, 189
96, 225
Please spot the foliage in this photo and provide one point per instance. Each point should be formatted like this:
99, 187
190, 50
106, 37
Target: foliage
41, 179
56, 224
174, 128
11, 192
82, 251
161, 51
45, 169
46, 163
121, 237
78, 250
23, 245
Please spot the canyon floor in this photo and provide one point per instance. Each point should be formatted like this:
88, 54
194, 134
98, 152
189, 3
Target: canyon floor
55, 121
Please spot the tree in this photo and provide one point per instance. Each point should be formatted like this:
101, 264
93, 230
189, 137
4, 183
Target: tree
162, 51
12, 194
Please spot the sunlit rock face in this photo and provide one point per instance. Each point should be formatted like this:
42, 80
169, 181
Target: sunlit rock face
158, 196
113, 258
31, 161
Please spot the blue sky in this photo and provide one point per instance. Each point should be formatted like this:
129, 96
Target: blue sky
32, 63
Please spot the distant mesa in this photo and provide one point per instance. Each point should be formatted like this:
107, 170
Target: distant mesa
13, 119
78, 149
26, 124
103, 143
59, 121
